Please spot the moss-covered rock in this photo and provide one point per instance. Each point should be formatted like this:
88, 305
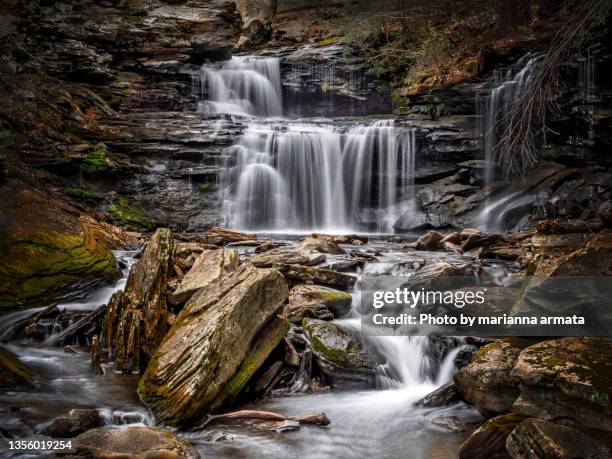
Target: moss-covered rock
339, 353
487, 381
46, 252
212, 348
125, 212
316, 301
570, 378
13, 372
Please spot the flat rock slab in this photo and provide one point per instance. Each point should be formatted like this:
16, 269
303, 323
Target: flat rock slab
134, 442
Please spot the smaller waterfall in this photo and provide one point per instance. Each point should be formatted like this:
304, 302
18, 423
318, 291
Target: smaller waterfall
243, 85
586, 77
496, 105
293, 176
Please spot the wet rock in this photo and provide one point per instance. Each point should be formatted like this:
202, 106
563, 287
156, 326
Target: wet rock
46, 253
13, 372
320, 243
564, 226
288, 257
489, 440
442, 396
487, 382
535, 438
465, 355
201, 362
432, 240
136, 442
604, 212
305, 274
210, 265
456, 423
567, 377
339, 353
256, 21
223, 236
441, 275
74, 423
567, 276
137, 320
303, 296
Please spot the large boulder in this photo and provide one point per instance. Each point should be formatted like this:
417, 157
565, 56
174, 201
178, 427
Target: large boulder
339, 353
316, 301
201, 362
137, 319
46, 253
13, 372
487, 382
571, 283
535, 438
569, 378
210, 265
133, 442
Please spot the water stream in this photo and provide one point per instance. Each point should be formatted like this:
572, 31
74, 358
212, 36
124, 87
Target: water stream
304, 175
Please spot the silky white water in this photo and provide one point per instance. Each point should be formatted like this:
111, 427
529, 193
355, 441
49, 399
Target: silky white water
298, 176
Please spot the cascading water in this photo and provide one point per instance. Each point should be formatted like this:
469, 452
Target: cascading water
244, 85
304, 177
507, 87
493, 110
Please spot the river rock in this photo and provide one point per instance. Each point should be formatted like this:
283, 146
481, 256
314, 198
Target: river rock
339, 353
320, 243
431, 240
288, 257
46, 253
535, 438
76, 422
567, 377
557, 283
137, 320
13, 372
224, 236
201, 362
487, 382
489, 440
308, 274
207, 267
442, 396
304, 296
133, 442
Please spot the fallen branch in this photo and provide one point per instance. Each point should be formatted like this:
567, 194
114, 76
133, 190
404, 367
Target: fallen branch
77, 326
318, 419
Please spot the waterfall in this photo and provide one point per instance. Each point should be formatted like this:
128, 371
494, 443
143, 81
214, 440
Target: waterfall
243, 85
508, 86
586, 77
295, 176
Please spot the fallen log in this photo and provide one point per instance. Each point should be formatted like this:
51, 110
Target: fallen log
317, 419
76, 327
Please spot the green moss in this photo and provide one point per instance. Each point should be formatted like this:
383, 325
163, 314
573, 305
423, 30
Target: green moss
95, 160
84, 195
34, 269
124, 212
328, 42
204, 187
